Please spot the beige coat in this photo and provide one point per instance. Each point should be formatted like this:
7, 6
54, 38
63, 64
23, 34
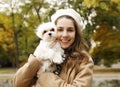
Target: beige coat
78, 75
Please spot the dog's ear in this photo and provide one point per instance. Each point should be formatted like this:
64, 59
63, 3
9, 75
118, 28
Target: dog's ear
39, 31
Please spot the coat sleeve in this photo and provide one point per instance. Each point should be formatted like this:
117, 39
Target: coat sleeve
25, 76
82, 79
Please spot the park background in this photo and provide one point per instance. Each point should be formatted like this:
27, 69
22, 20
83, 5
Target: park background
101, 20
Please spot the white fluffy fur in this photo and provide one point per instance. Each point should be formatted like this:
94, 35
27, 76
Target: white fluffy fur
49, 50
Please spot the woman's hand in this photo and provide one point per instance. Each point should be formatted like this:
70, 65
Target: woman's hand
25, 76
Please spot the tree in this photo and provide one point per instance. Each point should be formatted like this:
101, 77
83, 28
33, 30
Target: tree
6, 47
103, 28
107, 34
23, 16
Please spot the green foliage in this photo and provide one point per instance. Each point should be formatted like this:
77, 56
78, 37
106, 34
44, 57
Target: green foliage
6, 48
107, 35
22, 20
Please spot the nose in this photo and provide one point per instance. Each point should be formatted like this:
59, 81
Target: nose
64, 33
49, 34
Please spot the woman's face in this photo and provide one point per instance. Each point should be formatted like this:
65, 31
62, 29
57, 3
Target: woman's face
66, 32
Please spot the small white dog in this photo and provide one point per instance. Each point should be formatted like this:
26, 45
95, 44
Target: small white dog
49, 50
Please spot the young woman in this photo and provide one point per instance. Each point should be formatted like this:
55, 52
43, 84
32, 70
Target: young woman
75, 71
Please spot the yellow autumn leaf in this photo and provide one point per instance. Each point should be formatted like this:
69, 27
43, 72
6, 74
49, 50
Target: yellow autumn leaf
91, 3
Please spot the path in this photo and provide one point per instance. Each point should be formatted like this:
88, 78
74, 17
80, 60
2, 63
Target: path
6, 79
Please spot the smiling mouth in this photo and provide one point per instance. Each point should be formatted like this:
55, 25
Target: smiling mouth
65, 41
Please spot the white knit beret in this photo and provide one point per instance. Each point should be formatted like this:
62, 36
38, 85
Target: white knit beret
70, 12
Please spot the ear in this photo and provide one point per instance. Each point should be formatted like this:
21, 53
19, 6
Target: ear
39, 31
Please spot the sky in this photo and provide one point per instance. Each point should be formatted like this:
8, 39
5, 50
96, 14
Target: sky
3, 5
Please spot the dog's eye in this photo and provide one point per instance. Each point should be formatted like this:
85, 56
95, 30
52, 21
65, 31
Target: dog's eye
44, 32
52, 29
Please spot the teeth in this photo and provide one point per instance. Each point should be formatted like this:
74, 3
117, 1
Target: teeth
65, 40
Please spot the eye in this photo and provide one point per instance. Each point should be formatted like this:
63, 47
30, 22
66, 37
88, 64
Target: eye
59, 29
70, 29
52, 29
44, 32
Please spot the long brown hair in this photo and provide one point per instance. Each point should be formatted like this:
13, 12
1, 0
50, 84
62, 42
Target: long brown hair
77, 52
79, 48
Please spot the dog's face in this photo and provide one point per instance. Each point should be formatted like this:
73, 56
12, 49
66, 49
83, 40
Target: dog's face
47, 31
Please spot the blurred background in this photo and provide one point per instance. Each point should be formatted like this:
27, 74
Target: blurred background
101, 22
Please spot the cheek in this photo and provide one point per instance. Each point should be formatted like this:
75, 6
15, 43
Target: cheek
72, 38
58, 35
72, 35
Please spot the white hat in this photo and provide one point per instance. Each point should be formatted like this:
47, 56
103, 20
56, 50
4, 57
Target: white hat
70, 12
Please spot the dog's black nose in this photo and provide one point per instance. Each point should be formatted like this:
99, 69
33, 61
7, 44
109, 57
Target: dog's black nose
50, 34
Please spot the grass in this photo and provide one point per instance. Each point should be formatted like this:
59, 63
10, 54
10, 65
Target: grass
107, 70
7, 70
96, 70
